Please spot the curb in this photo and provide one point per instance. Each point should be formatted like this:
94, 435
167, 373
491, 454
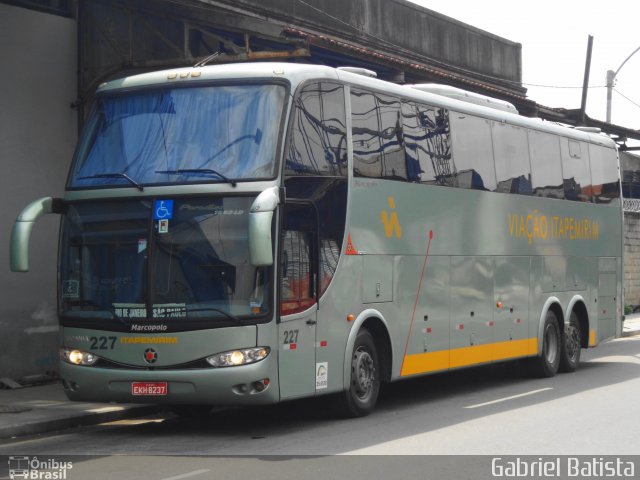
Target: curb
84, 419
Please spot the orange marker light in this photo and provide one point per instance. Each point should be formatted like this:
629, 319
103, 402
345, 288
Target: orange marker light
499, 304
351, 317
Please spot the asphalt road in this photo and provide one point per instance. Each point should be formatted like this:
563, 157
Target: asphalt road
486, 411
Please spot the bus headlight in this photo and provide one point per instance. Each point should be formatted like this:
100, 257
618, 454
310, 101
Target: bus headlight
77, 357
238, 357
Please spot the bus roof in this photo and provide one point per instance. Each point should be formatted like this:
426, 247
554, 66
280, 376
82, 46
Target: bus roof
296, 74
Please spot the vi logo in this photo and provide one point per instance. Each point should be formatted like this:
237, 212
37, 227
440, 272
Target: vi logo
390, 220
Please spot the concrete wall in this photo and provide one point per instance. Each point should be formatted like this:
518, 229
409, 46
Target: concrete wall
399, 26
632, 258
37, 137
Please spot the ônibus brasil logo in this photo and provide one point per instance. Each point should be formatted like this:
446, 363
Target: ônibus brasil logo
33, 468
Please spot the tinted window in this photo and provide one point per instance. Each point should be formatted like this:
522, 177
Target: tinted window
604, 174
472, 152
427, 145
318, 135
297, 269
575, 170
546, 167
378, 151
511, 154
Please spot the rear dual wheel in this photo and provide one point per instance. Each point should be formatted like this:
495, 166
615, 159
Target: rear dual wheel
560, 351
571, 345
547, 364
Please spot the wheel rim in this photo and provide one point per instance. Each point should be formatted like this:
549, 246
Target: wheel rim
551, 344
364, 374
572, 342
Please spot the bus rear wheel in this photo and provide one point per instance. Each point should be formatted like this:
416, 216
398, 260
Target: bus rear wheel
360, 398
546, 365
570, 355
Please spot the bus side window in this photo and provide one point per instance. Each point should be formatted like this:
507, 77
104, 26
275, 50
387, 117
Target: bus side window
575, 170
606, 185
472, 152
511, 155
297, 269
318, 133
546, 168
427, 145
378, 145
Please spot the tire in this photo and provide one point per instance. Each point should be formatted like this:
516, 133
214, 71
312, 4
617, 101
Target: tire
360, 398
191, 411
571, 345
547, 364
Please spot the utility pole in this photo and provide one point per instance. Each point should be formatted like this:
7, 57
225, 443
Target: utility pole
585, 84
611, 77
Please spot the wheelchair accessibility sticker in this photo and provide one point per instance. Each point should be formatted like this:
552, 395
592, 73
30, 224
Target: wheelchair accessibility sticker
163, 210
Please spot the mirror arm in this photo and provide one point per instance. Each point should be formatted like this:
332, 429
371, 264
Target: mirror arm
19, 251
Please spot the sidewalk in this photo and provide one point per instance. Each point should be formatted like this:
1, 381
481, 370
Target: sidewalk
45, 408
631, 325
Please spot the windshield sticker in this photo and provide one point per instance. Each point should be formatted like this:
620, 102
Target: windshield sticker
130, 310
256, 306
163, 210
163, 226
142, 245
71, 289
322, 373
171, 310
212, 209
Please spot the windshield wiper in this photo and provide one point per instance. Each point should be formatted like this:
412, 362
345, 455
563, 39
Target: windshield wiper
213, 309
115, 175
206, 171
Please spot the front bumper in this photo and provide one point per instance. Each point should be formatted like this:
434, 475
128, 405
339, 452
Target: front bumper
214, 386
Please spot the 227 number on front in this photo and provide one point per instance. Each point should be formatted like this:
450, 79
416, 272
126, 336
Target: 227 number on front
290, 336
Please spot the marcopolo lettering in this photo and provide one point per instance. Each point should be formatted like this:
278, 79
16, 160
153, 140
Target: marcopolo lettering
136, 327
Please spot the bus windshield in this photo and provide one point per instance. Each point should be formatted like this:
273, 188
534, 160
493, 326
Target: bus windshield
120, 263
180, 135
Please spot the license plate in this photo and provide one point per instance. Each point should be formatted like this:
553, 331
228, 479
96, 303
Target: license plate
149, 388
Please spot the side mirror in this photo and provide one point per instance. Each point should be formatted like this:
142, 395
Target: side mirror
19, 249
260, 220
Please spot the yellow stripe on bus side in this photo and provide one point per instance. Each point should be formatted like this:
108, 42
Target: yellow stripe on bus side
462, 357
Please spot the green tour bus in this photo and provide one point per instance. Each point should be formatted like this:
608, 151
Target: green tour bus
249, 233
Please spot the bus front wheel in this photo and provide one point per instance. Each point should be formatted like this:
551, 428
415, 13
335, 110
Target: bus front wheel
546, 365
360, 398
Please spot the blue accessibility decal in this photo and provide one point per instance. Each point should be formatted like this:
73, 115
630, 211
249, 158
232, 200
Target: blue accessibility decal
163, 210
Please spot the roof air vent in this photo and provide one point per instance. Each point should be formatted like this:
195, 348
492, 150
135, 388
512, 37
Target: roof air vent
359, 71
463, 95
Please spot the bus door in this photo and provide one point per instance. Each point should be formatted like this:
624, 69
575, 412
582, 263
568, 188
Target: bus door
298, 300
